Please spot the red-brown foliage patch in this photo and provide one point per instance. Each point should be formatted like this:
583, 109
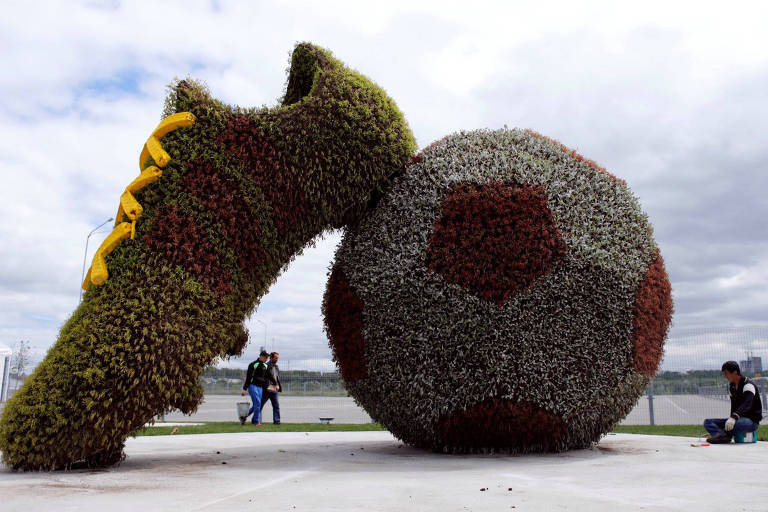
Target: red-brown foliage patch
495, 239
243, 139
653, 314
503, 424
344, 322
179, 239
223, 198
576, 155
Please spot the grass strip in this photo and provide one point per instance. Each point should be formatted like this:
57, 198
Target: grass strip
232, 427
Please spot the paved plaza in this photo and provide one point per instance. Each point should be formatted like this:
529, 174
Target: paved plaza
330, 471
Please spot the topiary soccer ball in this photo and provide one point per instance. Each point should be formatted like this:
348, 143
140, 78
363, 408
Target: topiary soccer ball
504, 294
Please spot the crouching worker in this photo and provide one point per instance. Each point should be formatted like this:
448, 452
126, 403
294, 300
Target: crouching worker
746, 409
255, 382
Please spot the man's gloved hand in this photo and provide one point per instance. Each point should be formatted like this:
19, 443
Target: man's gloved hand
729, 424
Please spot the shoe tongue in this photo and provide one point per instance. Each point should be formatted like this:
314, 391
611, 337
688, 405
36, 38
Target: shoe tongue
191, 96
306, 61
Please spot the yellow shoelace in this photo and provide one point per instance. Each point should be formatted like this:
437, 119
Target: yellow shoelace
129, 206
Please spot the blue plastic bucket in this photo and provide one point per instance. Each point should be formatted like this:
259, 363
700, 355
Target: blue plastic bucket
748, 437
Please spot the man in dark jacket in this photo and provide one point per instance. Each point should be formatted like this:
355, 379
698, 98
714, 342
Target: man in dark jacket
746, 407
273, 387
255, 382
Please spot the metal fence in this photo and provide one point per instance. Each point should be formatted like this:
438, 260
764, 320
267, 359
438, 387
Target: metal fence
295, 382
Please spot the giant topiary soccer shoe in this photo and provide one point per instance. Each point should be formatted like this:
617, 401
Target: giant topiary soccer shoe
225, 199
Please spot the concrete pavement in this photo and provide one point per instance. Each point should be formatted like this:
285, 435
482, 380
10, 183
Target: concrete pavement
373, 471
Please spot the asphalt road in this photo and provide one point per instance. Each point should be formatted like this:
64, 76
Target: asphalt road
293, 409
668, 410
678, 410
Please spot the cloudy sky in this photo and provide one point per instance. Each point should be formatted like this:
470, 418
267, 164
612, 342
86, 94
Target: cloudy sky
669, 96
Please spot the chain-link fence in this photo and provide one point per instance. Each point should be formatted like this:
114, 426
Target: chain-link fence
304, 382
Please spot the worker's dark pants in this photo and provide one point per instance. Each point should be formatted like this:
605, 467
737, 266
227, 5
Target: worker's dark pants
272, 397
716, 426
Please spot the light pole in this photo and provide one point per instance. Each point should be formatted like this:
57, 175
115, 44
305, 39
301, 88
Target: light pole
85, 256
264, 347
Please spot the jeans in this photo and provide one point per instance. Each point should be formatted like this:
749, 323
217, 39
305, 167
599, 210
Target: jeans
255, 392
272, 397
716, 426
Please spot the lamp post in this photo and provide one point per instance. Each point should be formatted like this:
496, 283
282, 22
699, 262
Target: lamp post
264, 347
85, 256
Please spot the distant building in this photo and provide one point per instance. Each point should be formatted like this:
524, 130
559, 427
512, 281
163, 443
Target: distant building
753, 364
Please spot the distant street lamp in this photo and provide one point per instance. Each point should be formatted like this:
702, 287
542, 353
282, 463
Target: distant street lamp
264, 347
85, 256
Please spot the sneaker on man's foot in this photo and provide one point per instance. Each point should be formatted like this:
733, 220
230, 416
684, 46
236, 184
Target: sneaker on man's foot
719, 439
242, 420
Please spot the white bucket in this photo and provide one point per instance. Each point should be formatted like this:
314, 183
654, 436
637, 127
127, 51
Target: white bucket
242, 409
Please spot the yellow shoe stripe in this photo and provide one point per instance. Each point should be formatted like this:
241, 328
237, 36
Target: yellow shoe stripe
129, 206
156, 151
152, 147
98, 272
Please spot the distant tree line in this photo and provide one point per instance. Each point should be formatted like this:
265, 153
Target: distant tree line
683, 383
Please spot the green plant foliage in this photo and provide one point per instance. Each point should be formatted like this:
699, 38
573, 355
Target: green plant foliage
489, 299
217, 230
